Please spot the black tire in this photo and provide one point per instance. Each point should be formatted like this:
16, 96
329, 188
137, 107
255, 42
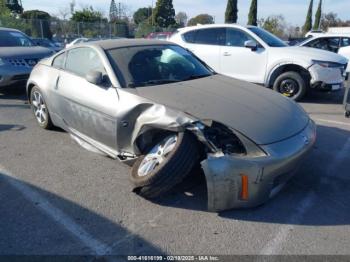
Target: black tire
169, 173
47, 124
297, 83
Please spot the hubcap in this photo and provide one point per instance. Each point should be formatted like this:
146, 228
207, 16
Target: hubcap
39, 107
157, 155
289, 87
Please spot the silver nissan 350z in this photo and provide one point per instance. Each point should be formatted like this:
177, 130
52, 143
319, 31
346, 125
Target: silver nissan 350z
158, 108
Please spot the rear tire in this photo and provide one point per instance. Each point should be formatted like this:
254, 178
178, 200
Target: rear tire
291, 84
176, 165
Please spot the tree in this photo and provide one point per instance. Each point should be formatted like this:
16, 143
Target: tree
14, 6
331, 20
318, 16
253, 13
164, 13
201, 19
88, 15
275, 24
142, 15
308, 23
113, 11
40, 23
231, 14
181, 19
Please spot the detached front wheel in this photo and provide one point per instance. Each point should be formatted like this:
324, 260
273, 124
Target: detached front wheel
291, 85
165, 165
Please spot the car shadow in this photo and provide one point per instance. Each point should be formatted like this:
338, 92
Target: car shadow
329, 189
31, 228
11, 127
319, 97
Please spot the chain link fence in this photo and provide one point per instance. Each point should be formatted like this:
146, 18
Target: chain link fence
67, 30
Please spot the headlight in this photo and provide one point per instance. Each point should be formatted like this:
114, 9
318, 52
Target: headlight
328, 64
2, 62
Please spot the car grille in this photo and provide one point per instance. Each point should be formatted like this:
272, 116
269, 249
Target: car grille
23, 62
21, 77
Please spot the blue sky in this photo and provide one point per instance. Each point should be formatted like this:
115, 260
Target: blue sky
293, 10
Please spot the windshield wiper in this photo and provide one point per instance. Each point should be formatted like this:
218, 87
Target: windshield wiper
154, 82
192, 77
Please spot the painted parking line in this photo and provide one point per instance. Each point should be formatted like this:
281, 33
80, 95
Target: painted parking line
98, 247
331, 121
273, 246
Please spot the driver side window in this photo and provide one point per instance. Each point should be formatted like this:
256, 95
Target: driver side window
236, 37
82, 60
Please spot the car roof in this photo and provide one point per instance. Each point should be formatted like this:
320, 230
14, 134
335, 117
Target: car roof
199, 26
8, 29
331, 35
117, 43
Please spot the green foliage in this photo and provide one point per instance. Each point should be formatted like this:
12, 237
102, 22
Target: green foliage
318, 15
4, 11
201, 19
88, 15
308, 23
275, 24
144, 29
253, 13
142, 15
163, 14
231, 14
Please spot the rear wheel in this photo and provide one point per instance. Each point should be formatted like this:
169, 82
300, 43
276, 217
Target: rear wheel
40, 109
291, 84
165, 165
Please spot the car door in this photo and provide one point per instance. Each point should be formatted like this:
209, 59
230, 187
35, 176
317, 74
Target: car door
206, 44
85, 107
240, 62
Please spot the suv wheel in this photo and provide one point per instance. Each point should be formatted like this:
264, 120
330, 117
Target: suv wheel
291, 84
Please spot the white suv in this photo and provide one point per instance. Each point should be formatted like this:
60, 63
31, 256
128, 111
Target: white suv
253, 54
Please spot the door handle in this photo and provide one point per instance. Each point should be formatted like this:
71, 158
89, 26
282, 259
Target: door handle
227, 54
57, 80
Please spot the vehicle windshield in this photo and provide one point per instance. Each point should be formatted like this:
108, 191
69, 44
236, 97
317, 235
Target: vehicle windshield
13, 38
155, 65
267, 37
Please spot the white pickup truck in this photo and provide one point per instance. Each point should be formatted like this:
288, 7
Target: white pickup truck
253, 54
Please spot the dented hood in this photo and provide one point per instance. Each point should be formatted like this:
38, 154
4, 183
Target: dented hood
257, 112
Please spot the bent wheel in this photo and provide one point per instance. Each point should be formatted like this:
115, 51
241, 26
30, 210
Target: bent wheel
165, 165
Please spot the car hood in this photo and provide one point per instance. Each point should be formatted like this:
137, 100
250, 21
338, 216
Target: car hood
259, 113
24, 52
302, 52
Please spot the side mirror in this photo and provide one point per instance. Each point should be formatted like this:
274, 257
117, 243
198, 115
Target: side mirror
94, 77
251, 44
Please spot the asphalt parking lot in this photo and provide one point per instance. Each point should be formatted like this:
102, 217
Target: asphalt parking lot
58, 198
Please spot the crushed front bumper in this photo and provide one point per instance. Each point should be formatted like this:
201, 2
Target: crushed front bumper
266, 175
326, 79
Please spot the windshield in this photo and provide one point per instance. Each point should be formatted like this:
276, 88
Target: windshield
13, 38
267, 37
155, 65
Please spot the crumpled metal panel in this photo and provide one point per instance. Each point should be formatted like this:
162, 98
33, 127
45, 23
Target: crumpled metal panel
223, 176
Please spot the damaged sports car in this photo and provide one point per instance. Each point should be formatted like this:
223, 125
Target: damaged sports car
158, 108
